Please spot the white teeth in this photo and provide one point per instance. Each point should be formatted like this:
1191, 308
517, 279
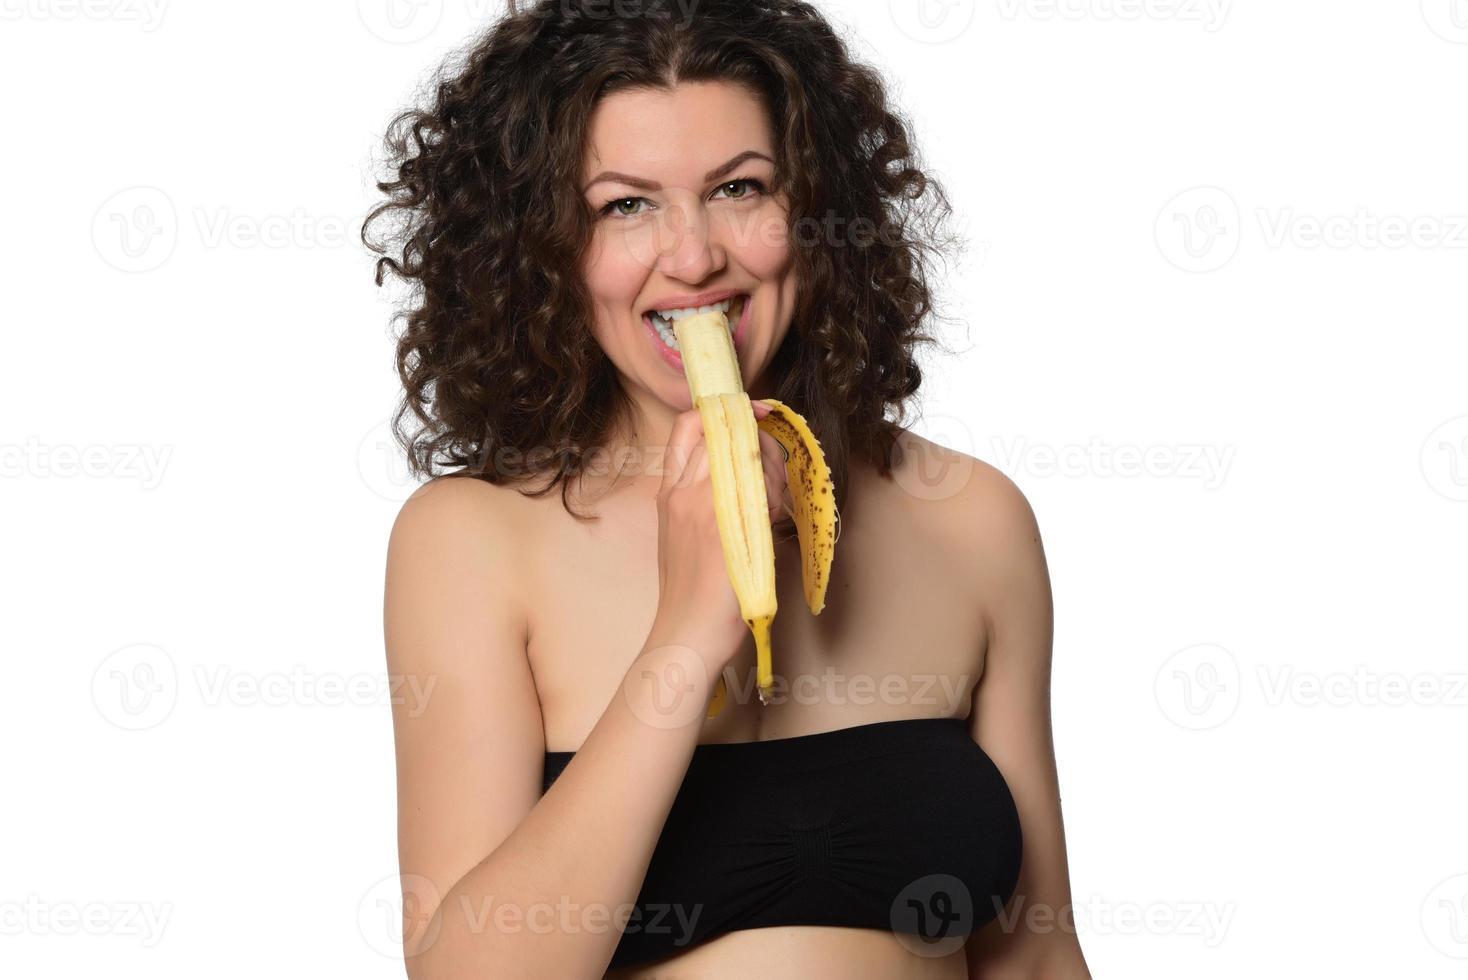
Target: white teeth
662, 321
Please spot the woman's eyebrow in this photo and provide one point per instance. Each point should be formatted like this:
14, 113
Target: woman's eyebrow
652, 185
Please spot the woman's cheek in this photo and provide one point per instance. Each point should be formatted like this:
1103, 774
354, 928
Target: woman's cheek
609, 273
765, 241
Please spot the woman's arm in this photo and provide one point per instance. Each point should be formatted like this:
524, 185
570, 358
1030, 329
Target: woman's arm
498, 882
1034, 937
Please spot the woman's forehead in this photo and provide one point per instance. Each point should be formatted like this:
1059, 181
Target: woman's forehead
675, 136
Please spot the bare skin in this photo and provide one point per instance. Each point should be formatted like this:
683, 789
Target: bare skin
906, 607
950, 592
533, 622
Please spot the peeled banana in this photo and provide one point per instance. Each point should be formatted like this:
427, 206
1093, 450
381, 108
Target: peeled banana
741, 504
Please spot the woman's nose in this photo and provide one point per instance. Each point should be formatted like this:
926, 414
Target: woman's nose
687, 247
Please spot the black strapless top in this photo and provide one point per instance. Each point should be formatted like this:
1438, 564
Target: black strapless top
905, 826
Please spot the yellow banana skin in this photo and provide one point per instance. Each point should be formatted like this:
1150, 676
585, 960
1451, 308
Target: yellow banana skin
817, 519
736, 472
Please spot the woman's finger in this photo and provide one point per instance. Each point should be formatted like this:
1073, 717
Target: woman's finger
687, 433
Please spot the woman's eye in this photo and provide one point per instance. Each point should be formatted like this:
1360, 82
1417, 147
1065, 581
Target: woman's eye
748, 182
616, 207
627, 207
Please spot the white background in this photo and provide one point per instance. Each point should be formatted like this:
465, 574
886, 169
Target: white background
1225, 239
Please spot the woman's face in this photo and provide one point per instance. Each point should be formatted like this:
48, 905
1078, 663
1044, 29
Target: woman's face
679, 183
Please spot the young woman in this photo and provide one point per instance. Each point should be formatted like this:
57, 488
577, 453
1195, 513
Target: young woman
566, 808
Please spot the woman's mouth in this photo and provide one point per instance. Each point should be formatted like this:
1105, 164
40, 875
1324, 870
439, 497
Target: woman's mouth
660, 327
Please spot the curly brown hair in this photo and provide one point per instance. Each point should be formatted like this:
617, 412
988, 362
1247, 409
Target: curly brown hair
497, 357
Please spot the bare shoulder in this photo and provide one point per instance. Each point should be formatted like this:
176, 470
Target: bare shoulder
978, 510
965, 492
455, 507
462, 535
474, 504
